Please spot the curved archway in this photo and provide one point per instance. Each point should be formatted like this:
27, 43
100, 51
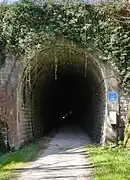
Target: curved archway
62, 78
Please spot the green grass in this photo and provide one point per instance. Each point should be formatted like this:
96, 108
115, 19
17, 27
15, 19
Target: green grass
13, 160
110, 163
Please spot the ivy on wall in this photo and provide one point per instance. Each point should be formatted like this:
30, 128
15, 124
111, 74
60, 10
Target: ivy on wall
104, 28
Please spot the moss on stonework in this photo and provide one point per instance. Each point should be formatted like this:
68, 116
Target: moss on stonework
2, 57
2, 145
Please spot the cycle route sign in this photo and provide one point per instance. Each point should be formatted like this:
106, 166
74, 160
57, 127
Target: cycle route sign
113, 96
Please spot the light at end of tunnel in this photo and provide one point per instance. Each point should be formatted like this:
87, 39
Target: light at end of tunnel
67, 114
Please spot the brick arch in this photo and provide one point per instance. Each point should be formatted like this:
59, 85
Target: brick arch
33, 79
70, 58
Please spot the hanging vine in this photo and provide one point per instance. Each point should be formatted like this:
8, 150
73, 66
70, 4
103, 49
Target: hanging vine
56, 67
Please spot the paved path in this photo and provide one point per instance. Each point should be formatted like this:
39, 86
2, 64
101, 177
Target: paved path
64, 159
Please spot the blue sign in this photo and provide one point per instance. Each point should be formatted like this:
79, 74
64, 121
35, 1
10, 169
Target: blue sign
113, 96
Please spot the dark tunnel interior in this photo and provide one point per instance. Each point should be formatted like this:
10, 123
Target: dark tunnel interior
68, 94
66, 101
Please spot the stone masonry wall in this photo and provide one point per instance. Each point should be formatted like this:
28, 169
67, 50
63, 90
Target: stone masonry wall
15, 119
99, 104
8, 100
124, 102
99, 107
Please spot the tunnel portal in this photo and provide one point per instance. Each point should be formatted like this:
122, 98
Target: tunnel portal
62, 85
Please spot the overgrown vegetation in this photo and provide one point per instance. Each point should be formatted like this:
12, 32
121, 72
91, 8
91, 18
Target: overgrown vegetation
12, 161
105, 28
110, 163
127, 130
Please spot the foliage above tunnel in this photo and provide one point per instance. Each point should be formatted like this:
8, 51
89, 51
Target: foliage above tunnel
26, 26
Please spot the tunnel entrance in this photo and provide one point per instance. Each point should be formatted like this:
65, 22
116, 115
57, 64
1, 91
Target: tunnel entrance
66, 89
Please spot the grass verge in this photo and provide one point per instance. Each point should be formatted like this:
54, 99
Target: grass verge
11, 161
110, 163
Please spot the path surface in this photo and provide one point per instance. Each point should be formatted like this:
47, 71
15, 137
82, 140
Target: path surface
64, 159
